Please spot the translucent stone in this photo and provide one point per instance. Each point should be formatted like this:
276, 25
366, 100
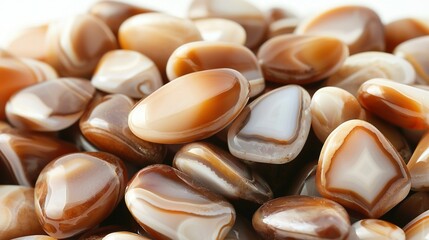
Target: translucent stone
50, 105
301, 217
221, 172
127, 72
68, 49
402, 105
160, 33
29, 43
221, 30
418, 228
403, 29
301, 59
273, 128
105, 125
415, 52
331, 106
282, 26
419, 165
35, 237
243, 12
357, 26
198, 56
24, 154
168, 205
77, 191
209, 101
124, 236
370, 229
362, 67
18, 217
359, 168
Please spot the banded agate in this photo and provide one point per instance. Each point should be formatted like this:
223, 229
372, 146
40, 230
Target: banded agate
273, 128
49, 105
221, 172
360, 28
418, 228
403, 29
301, 217
360, 169
301, 59
198, 56
190, 108
127, 72
402, 105
221, 30
415, 52
370, 229
419, 165
168, 205
77, 191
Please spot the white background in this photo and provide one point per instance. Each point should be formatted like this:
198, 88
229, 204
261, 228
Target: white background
17, 14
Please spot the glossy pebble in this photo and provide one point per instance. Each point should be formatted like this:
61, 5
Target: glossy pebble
198, 56
273, 128
221, 30
157, 35
35, 237
415, 51
221, 172
357, 26
18, 217
105, 125
371, 229
402, 105
209, 101
68, 49
331, 106
114, 13
124, 236
167, 204
24, 154
301, 59
49, 105
301, 217
403, 29
243, 12
77, 191
29, 42
419, 165
359, 168
127, 72
362, 67
282, 26
418, 228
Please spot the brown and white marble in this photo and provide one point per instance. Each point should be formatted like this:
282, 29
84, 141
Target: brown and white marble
221, 30
419, 165
418, 228
371, 229
403, 29
415, 52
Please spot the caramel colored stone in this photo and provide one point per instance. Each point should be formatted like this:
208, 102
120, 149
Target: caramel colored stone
359, 168
403, 29
41, 70
301, 217
243, 12
417, 229
221, 172
402, 105
167, 204
29, 43
124, 236
14, 76
75, 45
4, 125
114, 13
282, 26
273, 128
105, 125
360, 28
127, 72
331, 106
190, 108
49, 105
24, 154
362, 67
371, 229
221, 30
301, 59
35, 237
157, 35
77, 191
18, 217
419, 165
198, 56
415, 51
